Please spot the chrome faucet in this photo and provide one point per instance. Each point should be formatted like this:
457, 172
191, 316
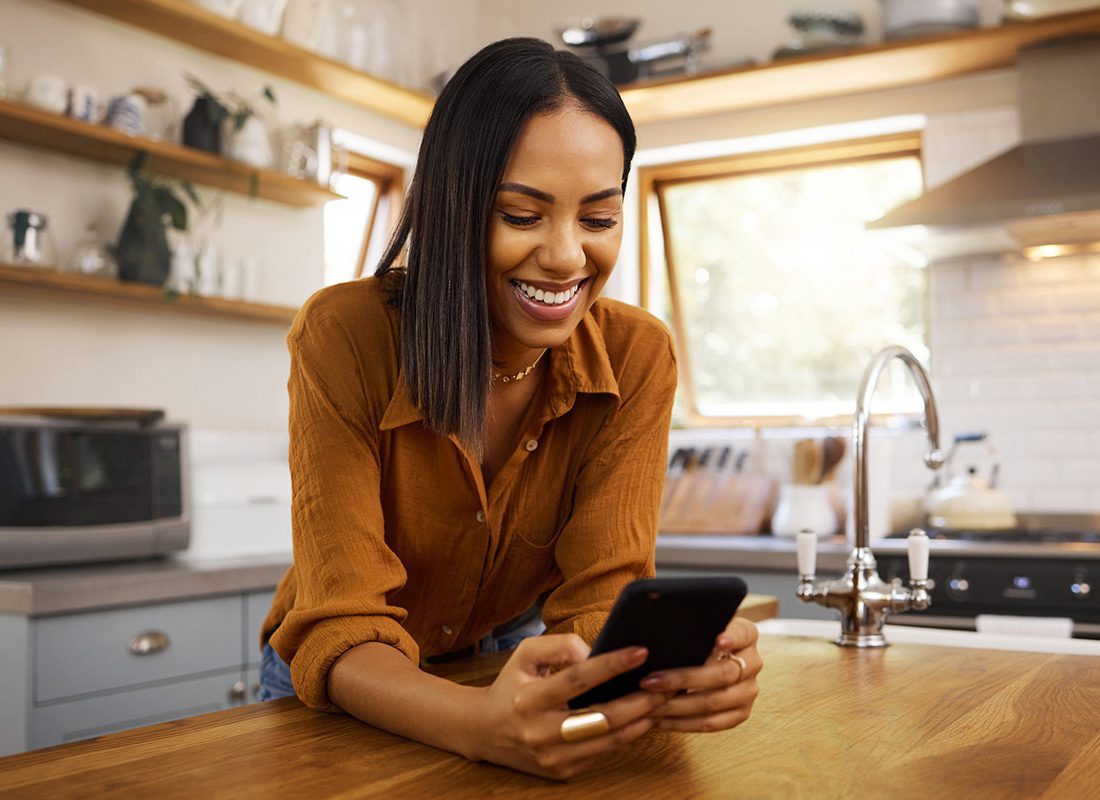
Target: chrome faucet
863, 599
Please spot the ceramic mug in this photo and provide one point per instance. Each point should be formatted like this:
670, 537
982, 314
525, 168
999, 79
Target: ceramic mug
48, 92
84, 104
126, 113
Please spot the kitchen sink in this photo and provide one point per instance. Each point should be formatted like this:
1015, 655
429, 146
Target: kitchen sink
938, 637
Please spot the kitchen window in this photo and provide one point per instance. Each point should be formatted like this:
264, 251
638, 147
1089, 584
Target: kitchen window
357, 229
776, 294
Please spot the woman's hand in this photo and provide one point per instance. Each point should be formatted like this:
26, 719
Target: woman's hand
716, 696
519, 724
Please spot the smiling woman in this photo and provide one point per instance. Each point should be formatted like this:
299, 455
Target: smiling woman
478, 440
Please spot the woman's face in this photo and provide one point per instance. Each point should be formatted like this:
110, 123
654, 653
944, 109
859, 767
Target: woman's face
555, 230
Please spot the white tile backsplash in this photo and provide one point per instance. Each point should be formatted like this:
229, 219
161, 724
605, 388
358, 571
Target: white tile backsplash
1025, 366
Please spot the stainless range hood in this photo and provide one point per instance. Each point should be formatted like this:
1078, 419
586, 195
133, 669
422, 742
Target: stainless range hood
1046, 191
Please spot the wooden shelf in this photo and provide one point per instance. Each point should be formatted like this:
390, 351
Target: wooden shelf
48, 282
885, 66
33, 126
865, 69
208, 31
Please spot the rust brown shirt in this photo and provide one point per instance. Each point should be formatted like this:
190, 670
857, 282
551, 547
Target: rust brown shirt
397, 539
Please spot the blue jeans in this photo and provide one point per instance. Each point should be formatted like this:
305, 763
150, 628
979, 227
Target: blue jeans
275, 674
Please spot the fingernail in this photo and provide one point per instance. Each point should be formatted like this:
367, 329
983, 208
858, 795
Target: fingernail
654, 681
724, 640
636, 655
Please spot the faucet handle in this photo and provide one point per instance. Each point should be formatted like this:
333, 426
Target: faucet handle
807, 552
918, 555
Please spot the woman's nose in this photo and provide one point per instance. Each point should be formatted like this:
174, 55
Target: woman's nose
562, 252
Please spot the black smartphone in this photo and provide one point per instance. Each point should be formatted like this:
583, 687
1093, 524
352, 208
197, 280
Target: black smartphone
677, 619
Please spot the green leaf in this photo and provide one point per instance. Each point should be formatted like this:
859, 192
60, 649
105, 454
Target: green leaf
170, 205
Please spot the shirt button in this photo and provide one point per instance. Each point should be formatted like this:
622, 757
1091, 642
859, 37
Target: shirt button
447, 630
480, 516
531, 445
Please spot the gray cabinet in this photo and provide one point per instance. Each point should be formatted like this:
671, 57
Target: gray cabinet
74, 676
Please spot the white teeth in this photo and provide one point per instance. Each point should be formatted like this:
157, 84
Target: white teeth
549, 298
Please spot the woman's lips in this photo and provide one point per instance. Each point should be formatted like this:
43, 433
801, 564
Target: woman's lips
545, 313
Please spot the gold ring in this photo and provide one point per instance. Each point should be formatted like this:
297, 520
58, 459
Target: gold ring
740, 661
584, 725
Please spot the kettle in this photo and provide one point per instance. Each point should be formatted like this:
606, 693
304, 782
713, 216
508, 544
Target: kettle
968, 501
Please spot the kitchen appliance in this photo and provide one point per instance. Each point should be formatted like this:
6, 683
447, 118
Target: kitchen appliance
904, 19
1048, 569
1034, 9
819, 32
604, 43
1044, 193
968, 501
90, 485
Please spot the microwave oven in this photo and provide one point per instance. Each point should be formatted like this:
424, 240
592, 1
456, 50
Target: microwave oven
77, 490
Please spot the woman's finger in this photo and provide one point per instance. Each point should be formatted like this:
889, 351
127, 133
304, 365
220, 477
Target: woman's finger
577, 678
557, 757
706, 723
715, 701
620, 713
536, 653
738, 635
715, 674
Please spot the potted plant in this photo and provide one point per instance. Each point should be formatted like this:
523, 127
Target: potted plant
142, 251
236, 118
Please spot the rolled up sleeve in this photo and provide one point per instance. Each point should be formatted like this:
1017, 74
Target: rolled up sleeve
343, 569
610, 537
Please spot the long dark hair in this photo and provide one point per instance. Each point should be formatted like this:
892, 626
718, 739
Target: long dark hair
446, 347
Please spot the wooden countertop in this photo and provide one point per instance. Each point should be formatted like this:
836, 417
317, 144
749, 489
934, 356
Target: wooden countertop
906, 721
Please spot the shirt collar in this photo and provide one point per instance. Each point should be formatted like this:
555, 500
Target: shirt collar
581, 365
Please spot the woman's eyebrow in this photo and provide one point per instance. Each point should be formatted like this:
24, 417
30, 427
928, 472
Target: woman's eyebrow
530, 191
538, 194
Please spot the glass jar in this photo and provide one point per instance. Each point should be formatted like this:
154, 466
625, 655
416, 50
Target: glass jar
92, 256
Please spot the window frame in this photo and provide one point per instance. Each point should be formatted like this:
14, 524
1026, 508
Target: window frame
653, 179
390, 180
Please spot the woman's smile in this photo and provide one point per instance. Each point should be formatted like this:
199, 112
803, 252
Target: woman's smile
543, 303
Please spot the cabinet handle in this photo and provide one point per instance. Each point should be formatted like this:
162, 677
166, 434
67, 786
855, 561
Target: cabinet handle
148, 642
238, 691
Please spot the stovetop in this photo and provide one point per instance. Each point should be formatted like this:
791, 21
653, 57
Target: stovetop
1032, 529
1012, 536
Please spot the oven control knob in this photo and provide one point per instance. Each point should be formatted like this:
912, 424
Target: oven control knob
958, 588
1080, 589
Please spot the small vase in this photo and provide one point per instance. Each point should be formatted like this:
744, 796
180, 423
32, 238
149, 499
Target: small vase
804, 507
251, 144
143, 253
198, 129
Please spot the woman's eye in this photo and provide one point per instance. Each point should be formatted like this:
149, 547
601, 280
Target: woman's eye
513, 220
601, 222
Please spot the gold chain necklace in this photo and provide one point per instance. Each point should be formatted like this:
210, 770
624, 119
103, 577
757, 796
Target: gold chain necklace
522, 373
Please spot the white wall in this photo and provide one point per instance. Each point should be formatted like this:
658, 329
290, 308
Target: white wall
211, 373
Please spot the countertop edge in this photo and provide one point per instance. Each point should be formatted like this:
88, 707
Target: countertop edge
94, 587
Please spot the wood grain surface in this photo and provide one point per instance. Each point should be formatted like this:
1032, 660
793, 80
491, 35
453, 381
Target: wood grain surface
904, 722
